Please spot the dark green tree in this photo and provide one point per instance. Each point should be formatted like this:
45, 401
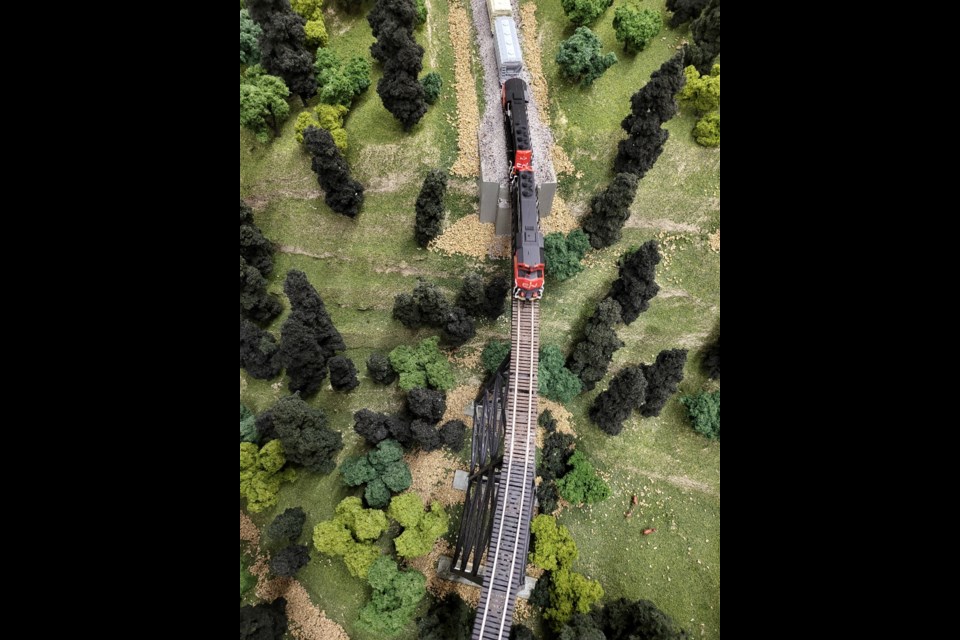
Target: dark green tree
494, 354
430, 207
592, 354
636, 27
254, 248
286, 562
581, 12
662, 376
580, 60
259, 352
343, 193
625, 393
564, 253
282, 46
249, 34
623, 619
392, 23
432, 84
376, 427
264, 621
706, 39
343, 373
609, 211
636, 285
556, 382
704, 410
459, 327
382, 471
288, 525
255, 303
303, 432
653, 105
378, 365
447, 619
427, 404
452, 435
684, 10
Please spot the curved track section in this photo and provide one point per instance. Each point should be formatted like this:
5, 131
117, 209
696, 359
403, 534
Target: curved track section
507, 554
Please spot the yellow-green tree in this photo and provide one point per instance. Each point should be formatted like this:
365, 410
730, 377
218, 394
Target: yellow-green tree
420, 528
261, 475
325, 116
351, 535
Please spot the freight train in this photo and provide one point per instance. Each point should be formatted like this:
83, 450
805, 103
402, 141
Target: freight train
528, 262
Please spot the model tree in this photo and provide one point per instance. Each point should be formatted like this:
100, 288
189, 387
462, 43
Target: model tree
422, 366
264, 621
263, 103
702, 92
555, 381
483, 299
704, 411
432, 84
581, 484
452, 434
376, 427
591, 356
636, 27
662, 377
427, 404
626, 392
308, 337
430, 207
684, 10
581, 12
249, 35
261, 472
564, 253
636, 285
392, 23
343, 373
303, 431
421, 528
351, 534
459, 327
580, 60
312, 12
448, 619
343, 193
248, 426
340, 83
282, 45
286, 562
623, 619
653, 105
255, 303
259, 352
288, 525
706, 39
254, 247
609, 211
382, 471
395, 597
378, 366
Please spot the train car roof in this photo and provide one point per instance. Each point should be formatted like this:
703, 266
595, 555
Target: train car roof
508, 43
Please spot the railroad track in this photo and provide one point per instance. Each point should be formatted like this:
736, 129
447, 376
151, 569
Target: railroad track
507, 554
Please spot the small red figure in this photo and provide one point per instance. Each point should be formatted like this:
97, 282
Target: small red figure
647, 532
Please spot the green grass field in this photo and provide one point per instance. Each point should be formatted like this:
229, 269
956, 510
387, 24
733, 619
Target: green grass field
358, 266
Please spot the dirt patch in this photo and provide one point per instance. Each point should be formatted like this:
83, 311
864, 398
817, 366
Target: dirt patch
470, 237
467, 163
560, 218
561, 162
286, 248
432, 473
532, 58
661, 224
563, 417
403, 269
307, 622
458, 400
429, 26
377, 158
470, 360
714, 240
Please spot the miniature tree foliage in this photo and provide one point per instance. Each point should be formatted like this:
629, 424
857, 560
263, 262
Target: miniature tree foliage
288, 525
556, 382
382, 470
626, 392
351, 534
421, 528
286, 562
422, 366
392, 23
303, 431
663, 377
249, 35
264, 621
564, 253
343, 194
394, 599
582, 484
283, 53
254, 247
636, 285
636, 27
255, 302
704, 411
591, 356
380, 370
553, 545
343, 374
248, 426
580, 60
429, 207
581, 12
432, 84
706, 38
707, 130
702, 92
494, 354
325, 116
259, 352
263, 103
684, 10
261, 475
609, 211
570, 593
340, 83
447, 619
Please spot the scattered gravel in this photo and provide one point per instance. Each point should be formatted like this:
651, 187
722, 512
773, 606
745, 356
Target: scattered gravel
493, 145
468, 112
470, 237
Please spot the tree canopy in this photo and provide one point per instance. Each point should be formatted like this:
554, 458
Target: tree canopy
351, 535
704, 412
564, 253
448, 619
378, 365
684, 10
282, 45
609, 210
395, 597
392, 23
286, 562
249, 35
706, 38
591, 356
580, 60
288, 525
422, 366
582, 484
263, 103
261, 475
636, 285
556, 382
581, 12
626, 392
429, 207
343, 194
636, 27
343, 374
259, 352
382, 471
421, 528
339, 83
264, 621
303, 431
308, 337
662, 377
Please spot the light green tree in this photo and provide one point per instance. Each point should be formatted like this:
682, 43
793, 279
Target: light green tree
581, 12
422, 366
636, 27
394, 599
339, 83
554, 546
701, 92
263, 103
582, 484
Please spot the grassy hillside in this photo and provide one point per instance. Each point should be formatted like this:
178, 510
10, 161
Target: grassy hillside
358, 266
